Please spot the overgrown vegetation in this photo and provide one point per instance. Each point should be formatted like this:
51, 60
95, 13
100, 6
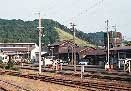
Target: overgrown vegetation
9, 66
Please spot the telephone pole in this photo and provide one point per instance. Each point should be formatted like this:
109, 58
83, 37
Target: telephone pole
40, 34
74, 48
107, 42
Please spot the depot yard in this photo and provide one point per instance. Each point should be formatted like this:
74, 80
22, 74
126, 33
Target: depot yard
67, 80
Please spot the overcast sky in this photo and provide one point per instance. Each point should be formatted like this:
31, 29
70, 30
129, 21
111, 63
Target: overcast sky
88, 15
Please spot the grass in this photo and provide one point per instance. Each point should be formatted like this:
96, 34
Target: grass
66, 36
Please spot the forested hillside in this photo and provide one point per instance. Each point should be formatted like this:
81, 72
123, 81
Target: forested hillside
26, 31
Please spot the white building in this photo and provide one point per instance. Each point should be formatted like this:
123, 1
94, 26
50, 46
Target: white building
26, 50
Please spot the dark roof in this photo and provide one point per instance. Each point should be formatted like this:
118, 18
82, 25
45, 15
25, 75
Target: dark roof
121, 48
96, 52
61, 43
78, 49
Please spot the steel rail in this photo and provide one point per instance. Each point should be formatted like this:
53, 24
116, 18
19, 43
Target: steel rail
77, 84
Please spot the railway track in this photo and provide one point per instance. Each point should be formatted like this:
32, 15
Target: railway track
6, 85
3, 89
88, 85
90, 73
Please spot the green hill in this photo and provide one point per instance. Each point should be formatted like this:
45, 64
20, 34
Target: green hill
26, 31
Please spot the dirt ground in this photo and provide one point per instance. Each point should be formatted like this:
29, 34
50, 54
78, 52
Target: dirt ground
36, 85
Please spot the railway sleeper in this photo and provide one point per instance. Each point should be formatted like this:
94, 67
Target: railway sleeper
26, 76
58, 80
68, 81
23, 75
85, 84
94, 85
113, 87
77, 82
32, 77
15, 74
2, 73
43, 77
8, 73
123, 88
47, 79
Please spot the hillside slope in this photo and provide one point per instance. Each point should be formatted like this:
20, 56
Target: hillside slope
12, 31
67, 36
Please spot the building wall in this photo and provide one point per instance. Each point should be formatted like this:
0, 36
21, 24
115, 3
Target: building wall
115, 38
26, 49
34, 55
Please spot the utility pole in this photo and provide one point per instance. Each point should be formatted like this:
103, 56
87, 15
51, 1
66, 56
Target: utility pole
40, 34
74, 48
107, 42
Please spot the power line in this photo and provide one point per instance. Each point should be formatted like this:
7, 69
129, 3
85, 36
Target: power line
90, 8
82, 12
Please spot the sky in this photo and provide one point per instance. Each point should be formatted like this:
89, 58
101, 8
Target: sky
88, 15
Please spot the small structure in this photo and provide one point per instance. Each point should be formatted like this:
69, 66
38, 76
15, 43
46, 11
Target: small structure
25, 50
127, 65
119, 54
64, 50
96, 57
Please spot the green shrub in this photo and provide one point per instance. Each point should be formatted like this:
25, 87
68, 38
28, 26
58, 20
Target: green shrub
16, 68
9, 65
1, 62
2, 65
0, 59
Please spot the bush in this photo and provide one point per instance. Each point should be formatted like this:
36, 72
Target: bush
1, 62
0, 59
16, 68
9, 65
2, 65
